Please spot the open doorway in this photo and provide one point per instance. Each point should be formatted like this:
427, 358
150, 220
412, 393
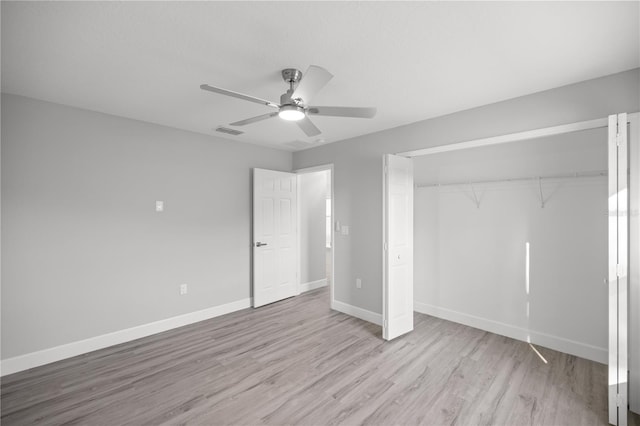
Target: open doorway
315, 236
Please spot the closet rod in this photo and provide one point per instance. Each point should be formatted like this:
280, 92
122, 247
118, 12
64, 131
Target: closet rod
597, 173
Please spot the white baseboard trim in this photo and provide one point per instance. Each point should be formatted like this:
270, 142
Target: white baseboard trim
312, 285
57, 353
354, 311
561, 344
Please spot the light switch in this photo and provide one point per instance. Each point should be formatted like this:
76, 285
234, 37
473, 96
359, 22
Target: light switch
344, 230
159, 206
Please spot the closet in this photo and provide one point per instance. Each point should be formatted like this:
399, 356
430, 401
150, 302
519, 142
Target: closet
515, 238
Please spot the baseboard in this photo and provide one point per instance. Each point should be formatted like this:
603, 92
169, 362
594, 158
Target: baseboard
354, 311
47, 356
312, 285
561, 344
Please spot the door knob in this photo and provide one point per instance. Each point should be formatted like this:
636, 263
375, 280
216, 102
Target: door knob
259, 244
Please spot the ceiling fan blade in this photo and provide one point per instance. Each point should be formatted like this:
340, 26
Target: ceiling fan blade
238, 95
343, 111
312, 81
254, 119
308, 127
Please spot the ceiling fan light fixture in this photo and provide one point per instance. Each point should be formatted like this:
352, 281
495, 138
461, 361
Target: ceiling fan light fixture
291, 113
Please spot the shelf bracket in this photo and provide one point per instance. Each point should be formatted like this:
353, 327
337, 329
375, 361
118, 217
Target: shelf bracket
475, 196
541, 193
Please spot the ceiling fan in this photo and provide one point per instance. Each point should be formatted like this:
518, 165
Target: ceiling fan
294, 103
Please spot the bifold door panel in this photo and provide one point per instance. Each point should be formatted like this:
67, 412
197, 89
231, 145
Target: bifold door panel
398, 246
618, 280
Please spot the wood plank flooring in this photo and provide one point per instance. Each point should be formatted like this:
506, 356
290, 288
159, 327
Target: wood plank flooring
297, 362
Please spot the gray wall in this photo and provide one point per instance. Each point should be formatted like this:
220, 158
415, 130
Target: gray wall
313, 196
84, 252
470, 261
358, 164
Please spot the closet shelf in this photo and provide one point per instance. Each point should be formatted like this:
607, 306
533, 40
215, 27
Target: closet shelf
577, 175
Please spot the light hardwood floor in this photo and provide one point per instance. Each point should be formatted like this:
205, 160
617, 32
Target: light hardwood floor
297, 362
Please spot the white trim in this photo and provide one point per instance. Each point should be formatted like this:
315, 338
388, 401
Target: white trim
383, 318
561, 344
312, 285
298, 236
634, 262
354, 311
512, 137
332, 278
314, 169
57, 353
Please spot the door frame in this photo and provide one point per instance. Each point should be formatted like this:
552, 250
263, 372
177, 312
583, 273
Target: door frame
634, 261
306, 170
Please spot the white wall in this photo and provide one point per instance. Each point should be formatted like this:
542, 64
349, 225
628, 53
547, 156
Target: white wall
83, 251
358, 165
313, 195
470, 262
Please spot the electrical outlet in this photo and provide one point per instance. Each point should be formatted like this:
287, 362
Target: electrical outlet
159, 206
183, 289
358, 283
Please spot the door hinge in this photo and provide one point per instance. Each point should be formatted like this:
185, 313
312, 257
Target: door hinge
619, 400
386, 170
386, 247
619, 271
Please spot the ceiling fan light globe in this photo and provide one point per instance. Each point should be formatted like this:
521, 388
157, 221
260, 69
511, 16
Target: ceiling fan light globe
291, 113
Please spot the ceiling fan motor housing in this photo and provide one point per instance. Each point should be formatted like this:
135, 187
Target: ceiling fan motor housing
286, 99
291, 75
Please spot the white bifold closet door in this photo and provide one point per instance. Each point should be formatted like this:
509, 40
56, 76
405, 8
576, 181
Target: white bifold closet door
397, 309
275, 237
623, 280
618, 269
633, 145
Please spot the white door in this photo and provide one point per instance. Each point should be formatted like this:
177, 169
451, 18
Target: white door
618, 269
275, 218
633, 149
397, 310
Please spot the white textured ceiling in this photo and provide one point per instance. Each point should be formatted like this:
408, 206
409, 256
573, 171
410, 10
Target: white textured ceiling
413, 60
